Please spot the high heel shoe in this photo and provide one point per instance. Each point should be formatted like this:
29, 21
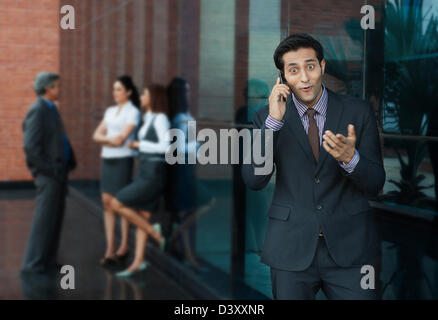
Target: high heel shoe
108, 261
126, 273
162, 244
121, 258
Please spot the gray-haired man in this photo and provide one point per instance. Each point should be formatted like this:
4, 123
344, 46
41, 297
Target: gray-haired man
49, 157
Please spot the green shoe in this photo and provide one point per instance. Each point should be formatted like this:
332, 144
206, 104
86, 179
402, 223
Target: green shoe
126, 273
163, 244
157, 228
143, 266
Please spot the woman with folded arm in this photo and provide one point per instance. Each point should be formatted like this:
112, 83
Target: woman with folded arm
114, 133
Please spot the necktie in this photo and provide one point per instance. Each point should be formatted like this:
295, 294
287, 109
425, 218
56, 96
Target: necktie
313, 133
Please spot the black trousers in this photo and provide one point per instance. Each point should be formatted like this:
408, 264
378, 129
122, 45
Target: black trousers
343, 283
42, 246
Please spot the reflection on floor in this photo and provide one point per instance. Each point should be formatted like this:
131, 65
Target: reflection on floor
82, 245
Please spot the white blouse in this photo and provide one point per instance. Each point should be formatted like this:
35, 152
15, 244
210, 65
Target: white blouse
115, 123
162, 126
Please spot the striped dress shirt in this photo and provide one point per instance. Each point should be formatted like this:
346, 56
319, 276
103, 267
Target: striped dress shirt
320, 117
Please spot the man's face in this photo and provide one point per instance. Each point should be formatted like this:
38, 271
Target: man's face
303, 74
52, 92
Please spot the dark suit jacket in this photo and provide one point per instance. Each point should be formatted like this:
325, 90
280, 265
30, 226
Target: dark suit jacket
43, 142
308, 196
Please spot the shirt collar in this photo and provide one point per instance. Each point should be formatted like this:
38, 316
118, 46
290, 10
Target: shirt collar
320, 106
126, 104
50, 103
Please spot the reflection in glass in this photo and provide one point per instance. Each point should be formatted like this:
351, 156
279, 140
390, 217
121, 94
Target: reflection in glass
410, 100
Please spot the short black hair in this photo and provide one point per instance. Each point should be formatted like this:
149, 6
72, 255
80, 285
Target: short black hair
43, 80
294, 42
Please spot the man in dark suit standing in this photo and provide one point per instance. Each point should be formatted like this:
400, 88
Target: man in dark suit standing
49, 157
321, 232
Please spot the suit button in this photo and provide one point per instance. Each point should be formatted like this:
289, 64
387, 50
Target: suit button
317, 180
318, 207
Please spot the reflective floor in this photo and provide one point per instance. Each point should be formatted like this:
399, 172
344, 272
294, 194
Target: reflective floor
409, 257
82, 245
409, 248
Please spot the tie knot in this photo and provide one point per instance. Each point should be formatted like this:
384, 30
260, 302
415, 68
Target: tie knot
310, 112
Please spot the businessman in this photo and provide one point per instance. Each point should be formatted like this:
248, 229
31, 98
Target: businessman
49, 157
327, 157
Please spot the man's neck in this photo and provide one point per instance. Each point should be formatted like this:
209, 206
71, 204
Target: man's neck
47, 98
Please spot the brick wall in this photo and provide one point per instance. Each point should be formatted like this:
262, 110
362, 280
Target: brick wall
29, 43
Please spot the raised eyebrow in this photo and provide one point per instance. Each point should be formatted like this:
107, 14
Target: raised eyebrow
295, 64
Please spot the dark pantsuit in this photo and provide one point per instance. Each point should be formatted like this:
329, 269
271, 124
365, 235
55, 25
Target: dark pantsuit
44, 237
323, 273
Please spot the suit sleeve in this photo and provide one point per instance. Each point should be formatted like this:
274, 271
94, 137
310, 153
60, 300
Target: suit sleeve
369, 173
251, 177
33, 135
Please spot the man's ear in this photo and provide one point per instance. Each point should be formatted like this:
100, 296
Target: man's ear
322, 64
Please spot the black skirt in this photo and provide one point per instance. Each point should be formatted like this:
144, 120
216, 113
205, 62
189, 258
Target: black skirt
145, 192
115, 174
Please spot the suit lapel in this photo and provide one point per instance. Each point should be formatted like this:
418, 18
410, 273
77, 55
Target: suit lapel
334, 113
293, 123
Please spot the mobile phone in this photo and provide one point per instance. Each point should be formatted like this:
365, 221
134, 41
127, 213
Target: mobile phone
282, 81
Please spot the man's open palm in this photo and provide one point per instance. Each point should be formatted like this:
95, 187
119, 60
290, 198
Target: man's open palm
340, 147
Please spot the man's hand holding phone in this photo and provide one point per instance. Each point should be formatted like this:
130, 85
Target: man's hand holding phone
277, 105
